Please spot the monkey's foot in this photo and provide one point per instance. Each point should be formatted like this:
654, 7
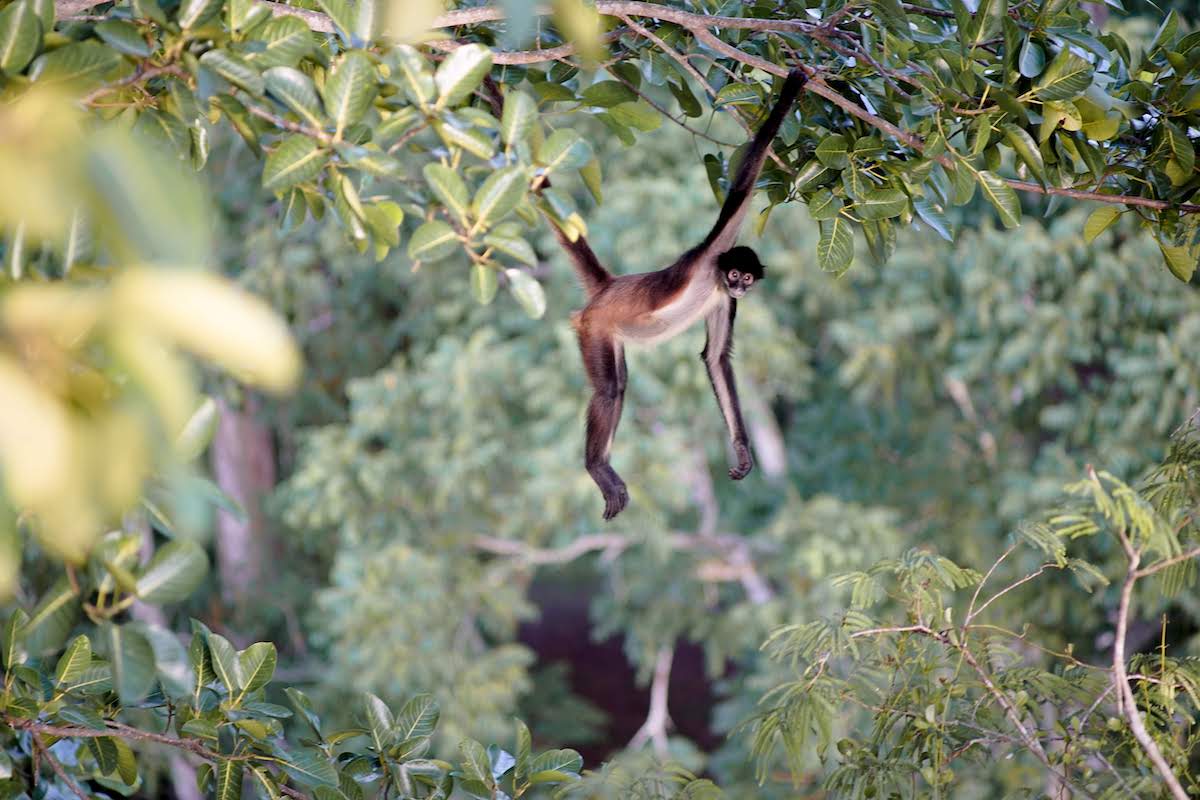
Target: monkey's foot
744, 465
615, 500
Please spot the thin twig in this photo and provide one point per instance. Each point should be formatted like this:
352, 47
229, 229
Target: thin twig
1121, 679
59, 771
1159, 566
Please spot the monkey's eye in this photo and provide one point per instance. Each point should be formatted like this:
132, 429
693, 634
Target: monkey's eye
747, 279
733, 275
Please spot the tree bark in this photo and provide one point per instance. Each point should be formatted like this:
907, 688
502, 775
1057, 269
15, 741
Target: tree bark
243, 463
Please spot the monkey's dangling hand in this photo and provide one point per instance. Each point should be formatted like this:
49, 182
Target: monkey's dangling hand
745, 462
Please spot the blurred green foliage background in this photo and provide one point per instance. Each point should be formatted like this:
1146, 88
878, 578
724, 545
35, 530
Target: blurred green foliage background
413, 517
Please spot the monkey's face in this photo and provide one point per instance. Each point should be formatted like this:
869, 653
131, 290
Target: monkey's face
737, 283
740, 270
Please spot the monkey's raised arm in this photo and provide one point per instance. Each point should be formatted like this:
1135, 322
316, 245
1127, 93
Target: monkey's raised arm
737, 202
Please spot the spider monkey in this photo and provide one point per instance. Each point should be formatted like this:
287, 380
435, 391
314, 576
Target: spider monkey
650, 307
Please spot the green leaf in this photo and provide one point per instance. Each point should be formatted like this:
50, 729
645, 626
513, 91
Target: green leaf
196, 12
235, 69
369, 19
835, 250
245, 14
474, 141
1002, 198
297, 93
296, 160
342, 14
225, 662
520, 114
498, 195
380, 722
512, 246
934, 217
310, 768
349, 90
104, 751
124, 37
414, 76
287, 39
73, 662
1098, 222
384, 220
132, 661
606, 94
229, 780
257, 663
418, 717
824, 205
83, 717
557, 760
738, 94
433, 241
688, 103
81, 62
528, 291
1180, 260
127, 768
1026, 148
20, 36
1179, 146
475, 763
13, 652
1067, 77
51, 620
832, 152
551, 776
450, 189
461, 71
1032, 59
484, 283
524, 743
564, 149
304, 708
176, 570
881, 203
640, 115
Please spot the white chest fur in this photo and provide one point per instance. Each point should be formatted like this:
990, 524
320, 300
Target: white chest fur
692, 304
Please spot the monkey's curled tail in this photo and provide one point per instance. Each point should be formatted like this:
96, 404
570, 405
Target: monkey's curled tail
591, 273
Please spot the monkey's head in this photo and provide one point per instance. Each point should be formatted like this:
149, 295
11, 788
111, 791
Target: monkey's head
740, 270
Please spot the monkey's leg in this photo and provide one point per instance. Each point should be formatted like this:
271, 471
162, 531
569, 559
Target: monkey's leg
604, 359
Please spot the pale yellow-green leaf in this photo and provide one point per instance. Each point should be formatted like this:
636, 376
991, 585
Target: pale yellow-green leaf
461, 71
215, 320
1098, 221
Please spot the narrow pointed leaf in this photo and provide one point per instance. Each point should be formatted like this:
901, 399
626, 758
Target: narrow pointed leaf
1002, 198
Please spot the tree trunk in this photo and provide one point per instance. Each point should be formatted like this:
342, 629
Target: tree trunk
243, 463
